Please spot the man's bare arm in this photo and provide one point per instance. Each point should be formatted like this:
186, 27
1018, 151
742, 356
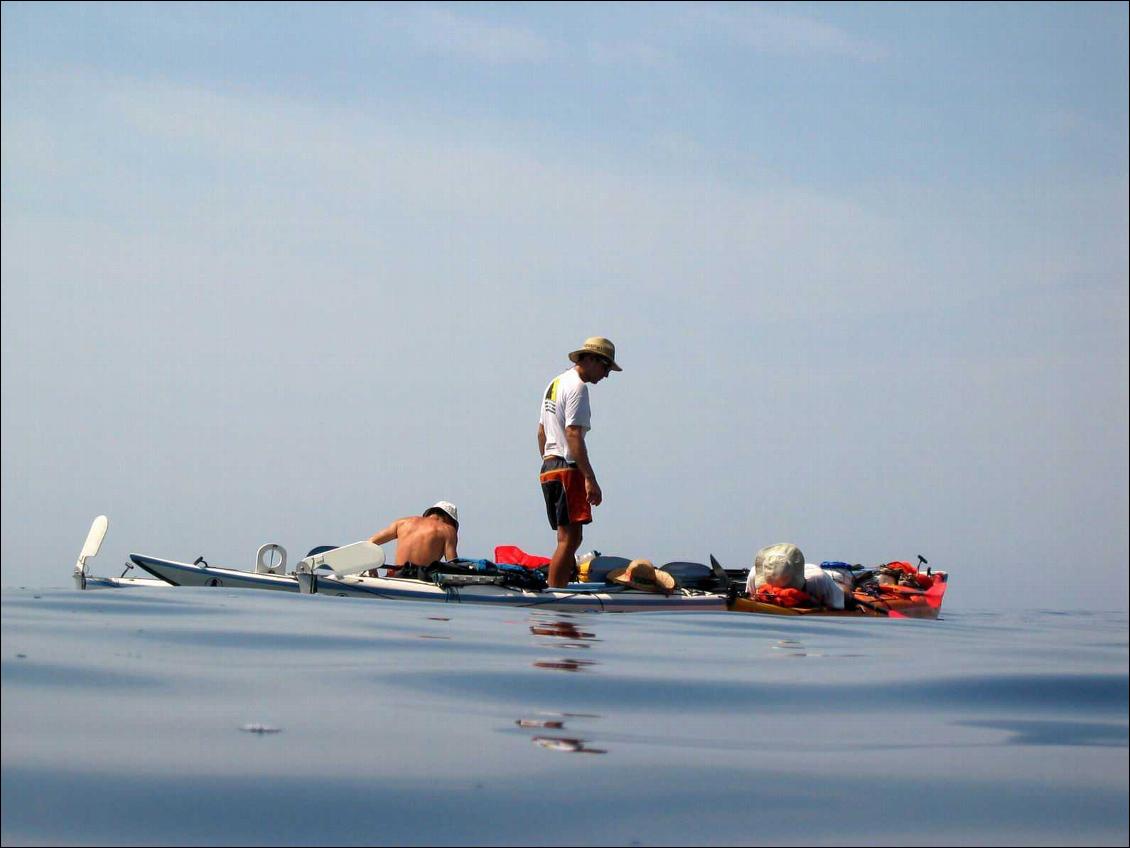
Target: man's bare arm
386, 535
449, 546
575, 436
541, 439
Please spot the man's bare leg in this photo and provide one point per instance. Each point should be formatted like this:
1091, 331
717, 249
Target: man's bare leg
564, 559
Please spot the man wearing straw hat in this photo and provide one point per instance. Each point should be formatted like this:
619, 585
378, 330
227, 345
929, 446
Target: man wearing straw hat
568, 482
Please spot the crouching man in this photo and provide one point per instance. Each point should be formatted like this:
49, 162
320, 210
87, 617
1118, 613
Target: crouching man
421, 539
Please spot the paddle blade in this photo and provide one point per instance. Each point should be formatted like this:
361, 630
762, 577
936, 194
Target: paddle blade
94, 538
720, 574
348, 559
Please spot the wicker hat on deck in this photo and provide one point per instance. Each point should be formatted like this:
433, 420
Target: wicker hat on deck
643, 575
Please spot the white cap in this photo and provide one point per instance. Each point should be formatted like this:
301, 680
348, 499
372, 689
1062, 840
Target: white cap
446, 507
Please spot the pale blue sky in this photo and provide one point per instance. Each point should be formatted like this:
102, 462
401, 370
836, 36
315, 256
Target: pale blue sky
282, 273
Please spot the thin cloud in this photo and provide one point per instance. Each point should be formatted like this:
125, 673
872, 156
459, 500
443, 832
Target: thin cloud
627, 53
475, 40
773, 32
350, 168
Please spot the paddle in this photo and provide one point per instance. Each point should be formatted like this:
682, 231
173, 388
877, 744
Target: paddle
90, 548
346, 560
720, 574
696, 575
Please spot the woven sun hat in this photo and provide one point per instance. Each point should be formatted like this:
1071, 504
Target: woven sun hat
447, 508
599, 346
643, 575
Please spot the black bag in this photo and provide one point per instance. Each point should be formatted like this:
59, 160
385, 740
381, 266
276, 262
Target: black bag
696, 575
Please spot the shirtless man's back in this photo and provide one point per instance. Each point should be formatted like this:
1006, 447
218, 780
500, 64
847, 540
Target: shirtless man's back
422, 540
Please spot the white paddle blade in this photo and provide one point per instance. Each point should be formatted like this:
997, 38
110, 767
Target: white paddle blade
350, 559
93, 539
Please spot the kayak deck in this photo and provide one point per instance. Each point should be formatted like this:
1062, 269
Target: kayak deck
579, 597
893, 602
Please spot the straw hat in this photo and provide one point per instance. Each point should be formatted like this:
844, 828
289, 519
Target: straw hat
643, 575
447, 508
599, 346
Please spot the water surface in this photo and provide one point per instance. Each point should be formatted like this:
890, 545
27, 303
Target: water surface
218, 716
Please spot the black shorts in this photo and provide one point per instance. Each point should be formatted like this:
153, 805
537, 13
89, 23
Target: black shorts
411, 571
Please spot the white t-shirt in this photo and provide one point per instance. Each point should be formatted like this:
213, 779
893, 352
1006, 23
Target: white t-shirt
818, 583
823, 588
565, 404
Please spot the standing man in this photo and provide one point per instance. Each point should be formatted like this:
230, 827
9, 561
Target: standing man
567, 479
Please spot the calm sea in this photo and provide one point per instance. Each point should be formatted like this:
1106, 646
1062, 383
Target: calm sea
217, 716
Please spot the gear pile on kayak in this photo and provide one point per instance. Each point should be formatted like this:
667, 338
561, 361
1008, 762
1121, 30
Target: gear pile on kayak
602, 583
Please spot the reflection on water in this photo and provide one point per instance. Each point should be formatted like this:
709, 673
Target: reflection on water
554, 722
567, 664
433, 635
563, 744
260, 729
568, 746
566, 634
559, 626
562, 629
1062, 732
790, 648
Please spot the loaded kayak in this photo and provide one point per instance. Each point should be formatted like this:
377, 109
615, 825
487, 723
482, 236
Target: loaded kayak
452, 588
354, 571
890, 601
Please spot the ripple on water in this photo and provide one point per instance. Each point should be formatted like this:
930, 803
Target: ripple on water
72, 676
1095, 693
115, 602
1037, 732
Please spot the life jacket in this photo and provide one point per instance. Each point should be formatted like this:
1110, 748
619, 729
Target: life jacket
783, 597
913, 575
516, 556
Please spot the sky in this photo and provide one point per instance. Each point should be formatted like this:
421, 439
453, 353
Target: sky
284, 273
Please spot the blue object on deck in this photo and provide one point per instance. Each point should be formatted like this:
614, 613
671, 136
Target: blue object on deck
475, 564
602, 565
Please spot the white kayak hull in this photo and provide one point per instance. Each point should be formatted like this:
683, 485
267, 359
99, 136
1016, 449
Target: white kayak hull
89, 581
577, 597
174, 573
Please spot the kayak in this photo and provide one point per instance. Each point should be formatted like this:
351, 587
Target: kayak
347, 572
577, 597
888, 601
